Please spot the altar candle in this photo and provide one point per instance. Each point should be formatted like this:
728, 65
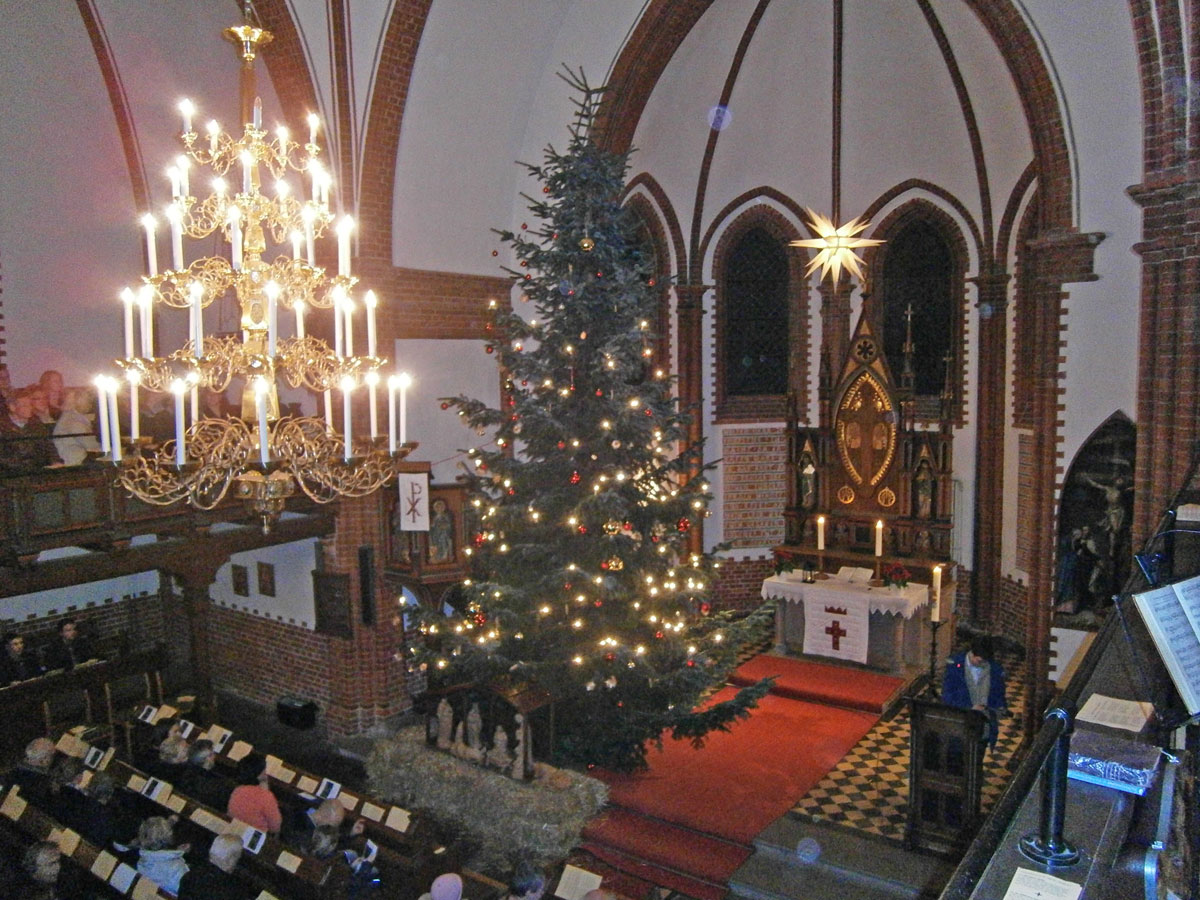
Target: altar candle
177, 388
371, 301
247, 168
345, 226
149, 223
879, 538
260, 407
135, 428
347, 387
404, 381
114, 422
820, 532
393, 384
298, 307
128, 299
102, 406
372, 379
173, 174
338, 322
935, 613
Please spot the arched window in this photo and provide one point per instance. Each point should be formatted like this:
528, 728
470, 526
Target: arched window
756, 316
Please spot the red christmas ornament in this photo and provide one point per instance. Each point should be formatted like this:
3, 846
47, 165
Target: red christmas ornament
575, 478
604, 564
546, 190
562, 445
620, 703
583, 529
654, 538
495, 253
599, 392
649, 411
571, 292
489, 349
480, 618
523, 264
598, 603
488, 327
658, 634
684, 524
628, 526
610, 656
523, 226
651, 282
478, 539
512, 492
556, 235
691, 662
445, 406
528, 277
705, 608
599, 274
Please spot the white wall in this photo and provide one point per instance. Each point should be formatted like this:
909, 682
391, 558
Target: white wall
293, 600
78, 597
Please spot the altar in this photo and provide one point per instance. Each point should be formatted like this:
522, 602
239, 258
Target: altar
884, 628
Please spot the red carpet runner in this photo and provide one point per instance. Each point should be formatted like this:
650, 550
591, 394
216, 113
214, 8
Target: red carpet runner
688, 822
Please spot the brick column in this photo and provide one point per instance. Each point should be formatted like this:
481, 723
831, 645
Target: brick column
989, 445
690, 312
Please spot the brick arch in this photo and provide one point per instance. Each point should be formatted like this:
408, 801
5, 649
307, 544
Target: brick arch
775, 223
921, 210
664, 210
763, 193
646, 214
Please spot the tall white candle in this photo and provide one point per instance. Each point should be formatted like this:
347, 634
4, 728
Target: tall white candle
272, 292
404, 381
260, 407
313, 122
114, 421
310, 245
178, 388
298, 306
173, 174
214, 130
235, 236
879, 538
347, 387
348, 309
187, 109
820, 532
935, 612
183, 164
328, 411
344, 227
370, 301
146, 308
197, 292
175, 217
247, 168
135, 426
297, 239
372, 379
128, 300
338, 324
150, 223
315, 171
102, 408
392, 384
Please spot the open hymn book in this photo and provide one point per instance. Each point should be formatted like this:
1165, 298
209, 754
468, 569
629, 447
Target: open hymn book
1172, 615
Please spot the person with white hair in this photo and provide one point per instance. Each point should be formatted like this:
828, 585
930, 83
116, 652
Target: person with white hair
215, 879
157, 859
75, 432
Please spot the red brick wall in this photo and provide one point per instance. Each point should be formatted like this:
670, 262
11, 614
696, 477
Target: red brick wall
754, 485
739, 582
1010, 611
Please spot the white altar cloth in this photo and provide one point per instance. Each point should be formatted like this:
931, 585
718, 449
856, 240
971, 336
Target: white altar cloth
905, 601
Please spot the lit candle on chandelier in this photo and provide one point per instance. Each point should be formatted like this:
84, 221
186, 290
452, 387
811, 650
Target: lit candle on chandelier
179, 388
247, 168
370, 301
187, 109
339, 294
308, 214
372, 380
128, 299
297, 239
182, 165
392, 385
348, 309
146, 308
102, 408
135, 429
114, 421
196, 290
879, 538
347, 387
820, 532
313, 122
299, 307
214, 131
260, 407
150, 223
175, 217
344, 227
328, 411
935, 612
404, 380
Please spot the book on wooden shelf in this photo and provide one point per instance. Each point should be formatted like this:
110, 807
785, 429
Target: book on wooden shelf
1172, 616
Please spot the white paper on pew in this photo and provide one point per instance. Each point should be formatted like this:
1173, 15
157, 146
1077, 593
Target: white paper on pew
397, 819
67, 841
145, 889
14, 805
85, 778
122, 877
348, 800
289, 862
373, 812
219, 736
306, 784
70, 745
103, 864
264, 895
108, 755
175, 803
239, 751
136, 783
576, 882
167, 712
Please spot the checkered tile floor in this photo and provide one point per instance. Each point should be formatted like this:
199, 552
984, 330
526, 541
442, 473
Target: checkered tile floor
868, 789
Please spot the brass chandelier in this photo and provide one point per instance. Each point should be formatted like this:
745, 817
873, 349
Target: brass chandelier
263, 455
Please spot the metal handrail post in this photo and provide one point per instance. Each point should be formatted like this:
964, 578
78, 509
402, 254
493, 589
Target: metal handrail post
1048, 846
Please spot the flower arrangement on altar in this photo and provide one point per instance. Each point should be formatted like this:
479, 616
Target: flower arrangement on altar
895, 574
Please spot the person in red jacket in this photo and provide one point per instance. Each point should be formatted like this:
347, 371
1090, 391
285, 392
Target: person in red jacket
252, 801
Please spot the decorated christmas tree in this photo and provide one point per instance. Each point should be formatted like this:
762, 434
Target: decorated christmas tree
586, 579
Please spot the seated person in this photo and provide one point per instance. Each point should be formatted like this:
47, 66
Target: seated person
75, 432
974, 680
158, 860
172, 759
214, 879
527, 883
445, 887
199, 779
27, 446
16, 662
101, 821
32, 776
51, 384
68, 649
45, 878
252, 801
352, 875
329, 813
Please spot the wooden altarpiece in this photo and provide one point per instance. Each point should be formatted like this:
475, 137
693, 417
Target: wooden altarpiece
867, 460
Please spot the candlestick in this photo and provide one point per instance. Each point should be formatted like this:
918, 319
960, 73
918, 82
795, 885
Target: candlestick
102, 404
150, 223
114, 421
197, 291
393, 383
404, 381
935, 613
178, 388
338, 322
135, 427
127, 298
347, 387
371, 301
879, 538
260, 407
372, 379
820, 532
